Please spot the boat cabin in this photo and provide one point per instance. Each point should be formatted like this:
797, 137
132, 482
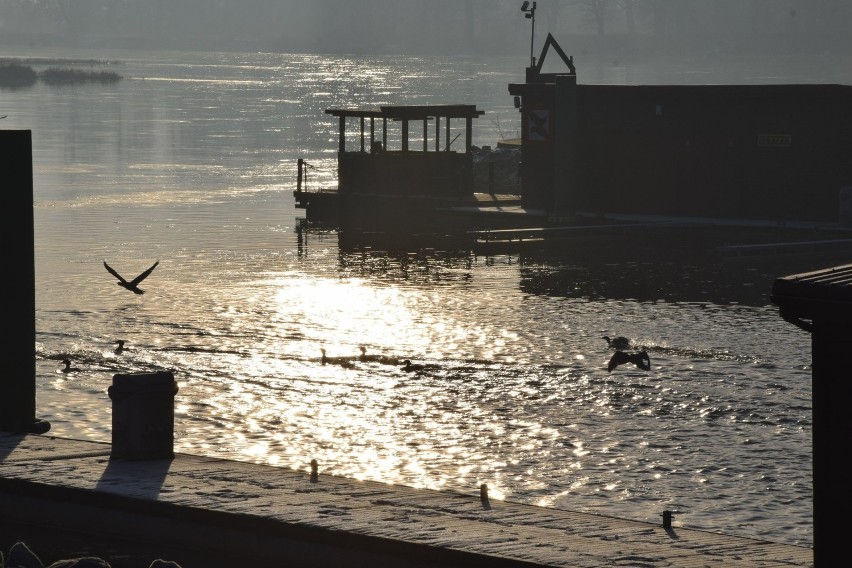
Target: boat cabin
406, 150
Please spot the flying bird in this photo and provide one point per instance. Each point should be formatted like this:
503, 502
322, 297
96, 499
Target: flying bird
640, 359
617, 342
133, 285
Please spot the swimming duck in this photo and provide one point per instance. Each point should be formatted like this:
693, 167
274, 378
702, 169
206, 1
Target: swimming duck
384, 359
68, 368
120, 344
132, 285
342, 361
640, 359
617, 342
409, 367
364, 357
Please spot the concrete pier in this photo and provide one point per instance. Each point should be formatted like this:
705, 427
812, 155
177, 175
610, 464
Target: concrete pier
253, 515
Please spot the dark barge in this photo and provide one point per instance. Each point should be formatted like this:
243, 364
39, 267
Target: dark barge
776, 154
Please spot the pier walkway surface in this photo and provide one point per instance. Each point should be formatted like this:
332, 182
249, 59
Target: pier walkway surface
206, 512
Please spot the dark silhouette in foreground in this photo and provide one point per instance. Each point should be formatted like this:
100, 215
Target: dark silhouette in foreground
21, 555
617, 342
640, 359
132, 285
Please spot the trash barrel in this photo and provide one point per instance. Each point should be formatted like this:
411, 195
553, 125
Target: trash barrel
143, 415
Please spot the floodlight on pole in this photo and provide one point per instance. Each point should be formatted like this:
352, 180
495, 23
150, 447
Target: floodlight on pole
529, 13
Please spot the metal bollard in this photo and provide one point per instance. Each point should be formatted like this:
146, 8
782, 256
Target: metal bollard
143, 415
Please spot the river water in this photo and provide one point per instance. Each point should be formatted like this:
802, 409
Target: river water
190, 159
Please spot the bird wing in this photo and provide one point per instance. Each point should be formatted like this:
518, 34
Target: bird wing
617, 359
643, 361
114, 273
144, 275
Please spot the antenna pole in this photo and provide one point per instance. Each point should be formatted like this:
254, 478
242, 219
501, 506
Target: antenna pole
532, 38
530, 13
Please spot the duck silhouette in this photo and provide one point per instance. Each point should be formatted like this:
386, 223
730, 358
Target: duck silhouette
120, 346
640, 359
384, 359
617, 342
342, 361
363, 357
68, 368
132, 285
410, 367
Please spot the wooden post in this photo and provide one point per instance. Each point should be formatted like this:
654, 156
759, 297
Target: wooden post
18, 384
830, 390
820, 303
468, 132
437, 133
448, 134
362, 133
425, 134
384, 133
372, 131
341, 144
405, 135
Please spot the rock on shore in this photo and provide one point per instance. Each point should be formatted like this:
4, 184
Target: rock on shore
20, 556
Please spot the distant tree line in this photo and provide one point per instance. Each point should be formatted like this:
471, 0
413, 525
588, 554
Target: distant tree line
412, 26
13, 74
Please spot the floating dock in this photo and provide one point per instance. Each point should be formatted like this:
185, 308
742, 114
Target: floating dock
234, 513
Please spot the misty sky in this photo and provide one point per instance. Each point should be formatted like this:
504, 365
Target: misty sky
430, 27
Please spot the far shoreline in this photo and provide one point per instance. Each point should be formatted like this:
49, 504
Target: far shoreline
16, 73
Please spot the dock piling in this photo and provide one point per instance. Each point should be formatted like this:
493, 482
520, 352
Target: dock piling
314, 471
483, 495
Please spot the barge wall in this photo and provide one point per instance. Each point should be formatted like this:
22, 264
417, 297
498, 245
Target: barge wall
777, 152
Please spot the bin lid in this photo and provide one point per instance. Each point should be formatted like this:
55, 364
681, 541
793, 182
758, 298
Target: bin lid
160, 378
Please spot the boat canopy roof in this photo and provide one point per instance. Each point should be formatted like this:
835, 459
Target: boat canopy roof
416, 112
405, 115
